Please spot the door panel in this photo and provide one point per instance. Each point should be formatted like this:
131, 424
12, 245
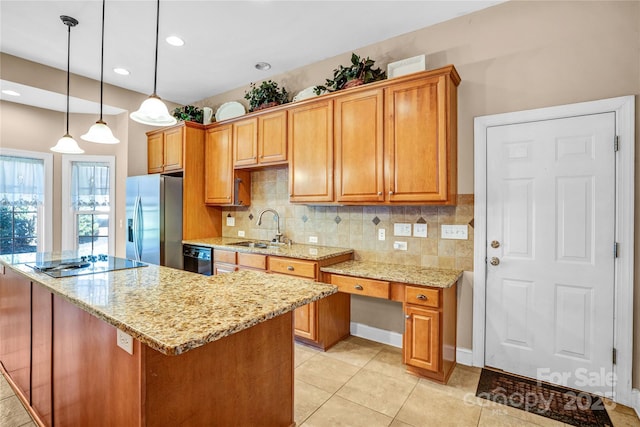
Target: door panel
550, 205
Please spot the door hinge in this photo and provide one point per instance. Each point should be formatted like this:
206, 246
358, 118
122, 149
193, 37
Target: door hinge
616, 143
615, 249
614, 356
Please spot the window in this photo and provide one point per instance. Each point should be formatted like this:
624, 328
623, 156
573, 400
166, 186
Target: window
25, 201
88, 198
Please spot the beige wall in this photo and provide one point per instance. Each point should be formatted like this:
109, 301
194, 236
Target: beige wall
514, 56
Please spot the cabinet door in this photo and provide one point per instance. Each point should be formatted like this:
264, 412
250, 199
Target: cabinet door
272, 138
155, 153
15, 328
245, 142
173, 139
41, 348
218, 169
305, 321
416, 135
310, 136
359, 147
421, 341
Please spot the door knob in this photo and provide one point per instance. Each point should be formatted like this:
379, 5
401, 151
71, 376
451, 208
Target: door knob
494, 261
495, 244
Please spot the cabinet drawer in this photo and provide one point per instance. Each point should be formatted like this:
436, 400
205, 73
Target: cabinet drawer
224, 256
252, 260
293, 267
428, 297
360, 286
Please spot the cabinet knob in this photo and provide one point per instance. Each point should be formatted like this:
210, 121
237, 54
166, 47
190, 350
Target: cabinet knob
390, 192
407, 316
421, 297
290, 268
379, 193
358, 287
254, 157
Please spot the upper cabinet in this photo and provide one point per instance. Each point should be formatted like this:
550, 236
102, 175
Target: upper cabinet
310, 133
260, 141
165, 149
223, 185
420, 122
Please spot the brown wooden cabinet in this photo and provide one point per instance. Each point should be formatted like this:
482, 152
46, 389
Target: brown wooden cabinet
359, 148
429, 341
224, 186
421, 139
310, 135
261, 140
165, 149
15, 328
41, 352
225, 261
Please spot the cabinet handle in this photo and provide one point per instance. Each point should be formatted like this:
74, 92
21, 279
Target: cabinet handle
407, 316
290, 268
421, 297
358, 287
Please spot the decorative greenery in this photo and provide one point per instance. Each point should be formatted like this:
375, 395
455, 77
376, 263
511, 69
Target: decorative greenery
359, 69
188, 113
267, 92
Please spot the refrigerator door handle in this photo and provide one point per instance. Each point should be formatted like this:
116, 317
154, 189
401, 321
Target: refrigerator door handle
137, 215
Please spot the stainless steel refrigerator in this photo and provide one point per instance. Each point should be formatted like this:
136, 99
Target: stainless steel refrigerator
154, 219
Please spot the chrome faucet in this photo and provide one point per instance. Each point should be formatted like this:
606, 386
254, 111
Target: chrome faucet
276, 216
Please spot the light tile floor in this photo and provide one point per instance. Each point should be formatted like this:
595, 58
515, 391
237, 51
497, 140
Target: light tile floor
363, 383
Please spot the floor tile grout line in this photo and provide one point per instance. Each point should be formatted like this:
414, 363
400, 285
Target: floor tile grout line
405, 402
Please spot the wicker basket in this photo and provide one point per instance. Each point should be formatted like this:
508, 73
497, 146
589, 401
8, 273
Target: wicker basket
353, 83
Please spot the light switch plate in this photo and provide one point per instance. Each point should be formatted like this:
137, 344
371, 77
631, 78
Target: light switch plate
457, 232
313, 239
400, 246
402, 229
240, 233
419, 230
231, 221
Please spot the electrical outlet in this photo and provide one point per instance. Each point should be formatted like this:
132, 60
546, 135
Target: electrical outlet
313, 251
402, 229
400, 246
313, 239
458, 232
125, 341
419, 230
381, 234
240, 233
231, 221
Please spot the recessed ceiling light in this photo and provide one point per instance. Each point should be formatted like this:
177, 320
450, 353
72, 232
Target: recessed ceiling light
121, 71
175, 41
10, 92
263, 66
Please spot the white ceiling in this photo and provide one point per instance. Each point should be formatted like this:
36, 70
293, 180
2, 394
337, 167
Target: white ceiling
223, 39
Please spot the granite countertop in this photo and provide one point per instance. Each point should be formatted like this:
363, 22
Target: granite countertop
174, 311
296, 250
409, 274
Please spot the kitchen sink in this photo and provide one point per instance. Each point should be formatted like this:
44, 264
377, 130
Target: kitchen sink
259, 245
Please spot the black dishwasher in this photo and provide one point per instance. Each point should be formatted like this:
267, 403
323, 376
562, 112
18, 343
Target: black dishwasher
198, 259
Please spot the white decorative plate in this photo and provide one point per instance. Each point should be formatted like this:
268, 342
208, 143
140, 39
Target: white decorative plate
406, 66
229, 110
306, 94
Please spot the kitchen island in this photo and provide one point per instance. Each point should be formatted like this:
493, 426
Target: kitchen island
205, 350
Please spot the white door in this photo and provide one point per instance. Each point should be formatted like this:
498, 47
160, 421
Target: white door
550, 234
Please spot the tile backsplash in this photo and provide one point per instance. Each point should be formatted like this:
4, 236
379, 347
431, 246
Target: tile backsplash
354, 227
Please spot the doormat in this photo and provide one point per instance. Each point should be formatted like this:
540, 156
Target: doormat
558, 403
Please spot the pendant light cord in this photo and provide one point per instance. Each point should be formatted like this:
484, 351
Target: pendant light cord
68, 71
155, 74
102, 60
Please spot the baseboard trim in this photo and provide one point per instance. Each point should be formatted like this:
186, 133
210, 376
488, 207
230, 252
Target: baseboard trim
382, 336
464, 356
635, 400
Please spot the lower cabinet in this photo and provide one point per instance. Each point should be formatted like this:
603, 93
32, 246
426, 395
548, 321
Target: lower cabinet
429, 341
41, 353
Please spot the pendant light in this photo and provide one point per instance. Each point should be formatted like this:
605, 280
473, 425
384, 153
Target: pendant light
153, 111
67, 144
100, 132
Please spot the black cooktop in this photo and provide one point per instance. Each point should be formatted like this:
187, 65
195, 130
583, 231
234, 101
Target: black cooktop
90, 264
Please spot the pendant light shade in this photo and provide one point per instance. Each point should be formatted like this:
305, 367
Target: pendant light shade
67, 144
100, 132
153, 111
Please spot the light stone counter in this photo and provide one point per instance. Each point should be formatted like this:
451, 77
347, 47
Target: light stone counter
296, 250
409, 274
174, 311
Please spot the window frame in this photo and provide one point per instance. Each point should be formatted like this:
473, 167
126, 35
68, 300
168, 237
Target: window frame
69, 232
45, 238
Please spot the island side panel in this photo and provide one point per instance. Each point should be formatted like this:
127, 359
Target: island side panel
245, 379
95, 383
41, 352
